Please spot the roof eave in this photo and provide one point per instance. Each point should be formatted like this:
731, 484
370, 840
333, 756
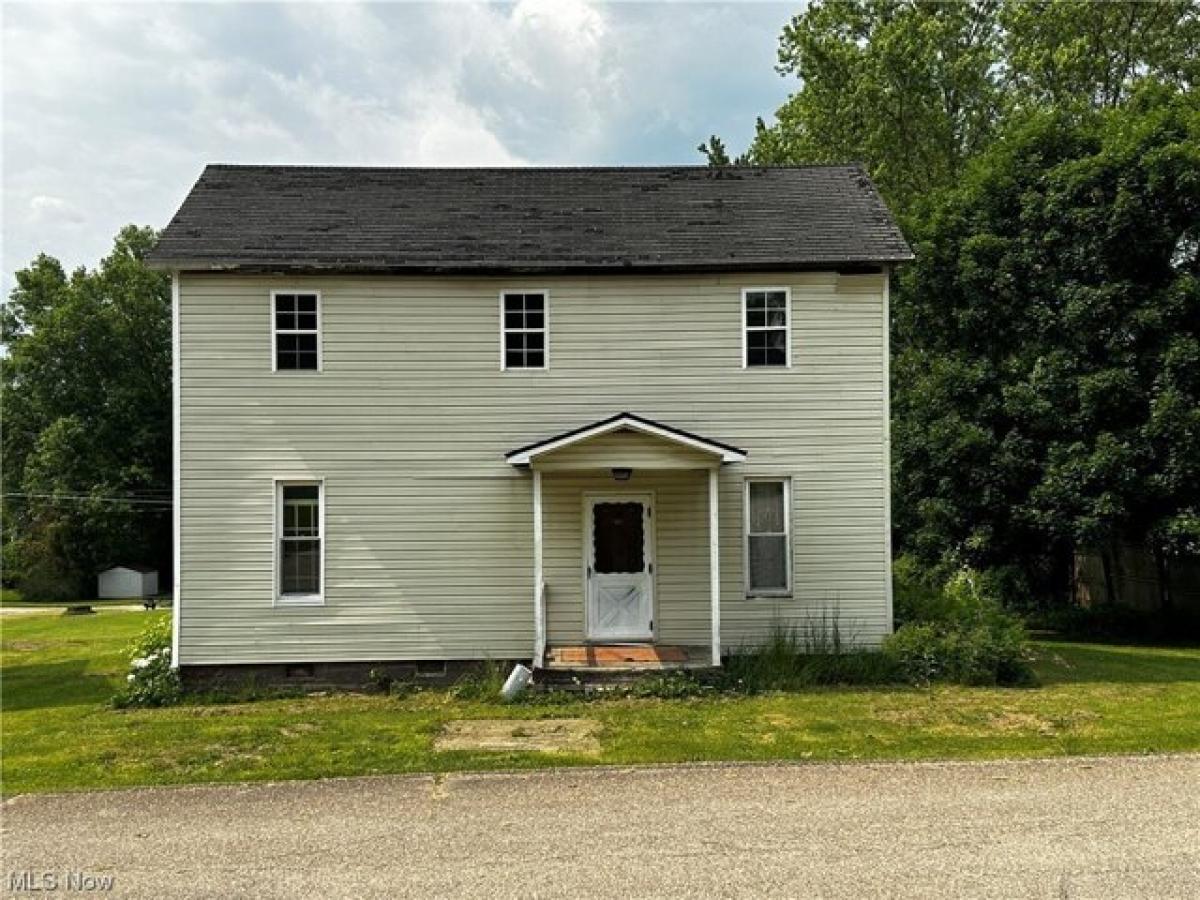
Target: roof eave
291, 267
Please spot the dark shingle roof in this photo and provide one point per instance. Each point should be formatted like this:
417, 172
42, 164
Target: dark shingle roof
265, 218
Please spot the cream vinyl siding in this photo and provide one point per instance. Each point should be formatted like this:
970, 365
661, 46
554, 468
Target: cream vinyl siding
428, 531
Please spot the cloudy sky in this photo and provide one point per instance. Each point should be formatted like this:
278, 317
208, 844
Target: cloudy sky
110, 111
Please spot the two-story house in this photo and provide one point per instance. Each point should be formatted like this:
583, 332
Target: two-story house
439, 415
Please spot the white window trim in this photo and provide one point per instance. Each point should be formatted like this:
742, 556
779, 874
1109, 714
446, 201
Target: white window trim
787, 524
281, 599
544, 330
320, 333
787, 325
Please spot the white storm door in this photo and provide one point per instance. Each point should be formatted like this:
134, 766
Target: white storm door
620, 571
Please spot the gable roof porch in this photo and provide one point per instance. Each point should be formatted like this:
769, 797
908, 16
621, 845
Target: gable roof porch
622, 444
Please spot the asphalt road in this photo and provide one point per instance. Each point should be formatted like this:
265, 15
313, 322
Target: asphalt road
1117, 828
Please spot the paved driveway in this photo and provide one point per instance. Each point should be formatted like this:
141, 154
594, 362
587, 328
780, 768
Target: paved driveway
1070, 828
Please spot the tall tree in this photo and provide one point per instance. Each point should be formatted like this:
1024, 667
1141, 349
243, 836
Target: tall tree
87, 436
915, 88
1063, 53
909, 88
1046, 341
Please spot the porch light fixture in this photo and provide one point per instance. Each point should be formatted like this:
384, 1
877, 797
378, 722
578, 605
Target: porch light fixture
621, 474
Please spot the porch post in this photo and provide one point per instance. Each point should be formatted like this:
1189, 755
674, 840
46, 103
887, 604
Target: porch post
714, 570
539, 597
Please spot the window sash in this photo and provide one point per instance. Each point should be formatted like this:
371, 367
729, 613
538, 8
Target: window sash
515, 346
758, 539
300, 543
294, 297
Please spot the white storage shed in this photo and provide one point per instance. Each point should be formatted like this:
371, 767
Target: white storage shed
127, 581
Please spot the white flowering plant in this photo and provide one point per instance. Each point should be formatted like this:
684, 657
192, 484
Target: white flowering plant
151, 680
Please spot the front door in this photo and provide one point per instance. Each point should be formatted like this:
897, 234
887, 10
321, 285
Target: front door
620, 571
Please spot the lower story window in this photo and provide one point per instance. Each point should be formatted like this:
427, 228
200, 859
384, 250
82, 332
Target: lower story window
768, 536
300, 538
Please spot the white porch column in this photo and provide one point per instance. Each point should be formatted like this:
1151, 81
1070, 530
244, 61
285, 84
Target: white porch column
714, 564
539, 597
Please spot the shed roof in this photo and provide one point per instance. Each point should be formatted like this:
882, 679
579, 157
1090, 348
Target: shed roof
549, 220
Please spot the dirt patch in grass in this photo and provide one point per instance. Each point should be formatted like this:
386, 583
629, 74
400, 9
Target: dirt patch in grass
912, 716
532, 735
1020, 721
27, 646
776, 720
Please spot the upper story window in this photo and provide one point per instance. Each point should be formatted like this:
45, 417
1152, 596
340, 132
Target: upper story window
296, 331
766, 317
523, 338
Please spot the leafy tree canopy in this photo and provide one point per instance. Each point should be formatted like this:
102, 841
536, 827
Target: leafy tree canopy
87, 419
914, 88
1047, 341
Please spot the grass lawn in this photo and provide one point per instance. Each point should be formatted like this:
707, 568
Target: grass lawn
59, 732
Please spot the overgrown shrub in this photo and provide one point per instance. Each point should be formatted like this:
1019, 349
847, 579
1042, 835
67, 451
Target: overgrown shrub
811, 655
980, 655
959, 633
917, 594
151, 680
919, 591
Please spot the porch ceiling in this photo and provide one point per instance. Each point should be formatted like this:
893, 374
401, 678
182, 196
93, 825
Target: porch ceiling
625, 441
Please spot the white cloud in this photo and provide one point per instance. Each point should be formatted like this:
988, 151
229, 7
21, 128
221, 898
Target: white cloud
46, 208
110, 112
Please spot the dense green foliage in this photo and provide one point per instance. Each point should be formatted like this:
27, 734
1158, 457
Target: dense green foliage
952, 630
956, 631
87, 420
915, 88
909, 88
1044, 160
1047, 342
151, 680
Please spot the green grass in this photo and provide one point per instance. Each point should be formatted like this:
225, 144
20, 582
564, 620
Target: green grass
59, 732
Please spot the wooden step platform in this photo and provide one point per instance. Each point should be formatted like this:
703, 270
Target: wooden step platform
623, 656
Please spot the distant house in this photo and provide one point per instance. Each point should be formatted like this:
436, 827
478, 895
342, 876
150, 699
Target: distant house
440, 415
127, 581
